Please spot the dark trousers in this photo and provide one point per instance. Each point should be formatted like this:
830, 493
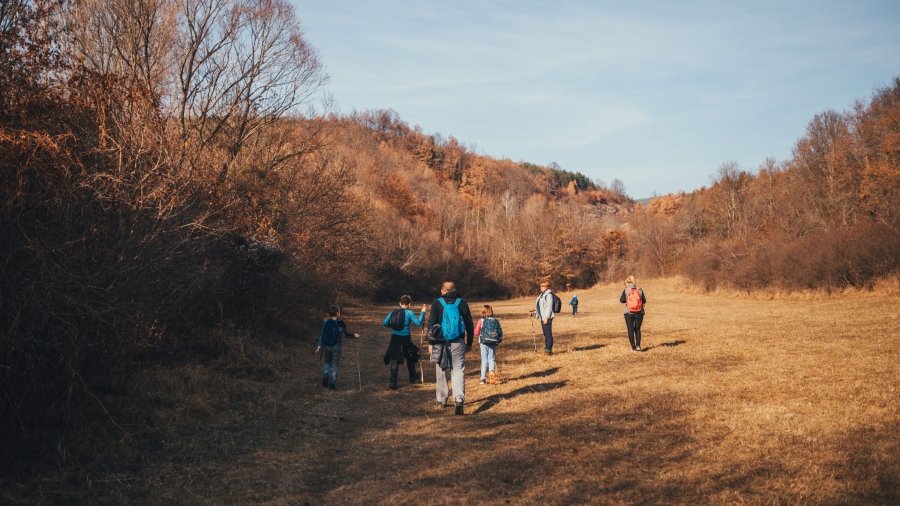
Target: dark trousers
547, 329
398, 350
633, 322
395, 370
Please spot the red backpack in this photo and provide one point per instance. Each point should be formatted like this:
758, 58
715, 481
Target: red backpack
633, 301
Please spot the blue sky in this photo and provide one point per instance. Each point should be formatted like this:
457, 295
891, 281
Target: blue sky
656, 94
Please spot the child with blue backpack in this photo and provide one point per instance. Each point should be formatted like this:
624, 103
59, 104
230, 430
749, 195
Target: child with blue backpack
330, 345
489, 336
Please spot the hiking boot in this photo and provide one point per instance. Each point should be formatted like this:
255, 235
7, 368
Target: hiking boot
481, 382
548, 352
324, 381
459, 408
637, 349
332, 386
393, 386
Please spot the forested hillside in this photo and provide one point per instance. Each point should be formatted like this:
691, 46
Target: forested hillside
827, 218
437, 210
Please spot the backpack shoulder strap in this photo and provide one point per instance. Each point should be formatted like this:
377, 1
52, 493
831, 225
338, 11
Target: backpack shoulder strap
442, 301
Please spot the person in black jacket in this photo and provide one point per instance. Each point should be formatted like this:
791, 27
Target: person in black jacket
634, 299
455, 327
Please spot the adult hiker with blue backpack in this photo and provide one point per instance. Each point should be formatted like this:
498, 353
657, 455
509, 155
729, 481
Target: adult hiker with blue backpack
451, 315
546, 305
634, 299
401, 347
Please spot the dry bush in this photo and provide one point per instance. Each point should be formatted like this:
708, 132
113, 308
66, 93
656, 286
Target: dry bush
847, 257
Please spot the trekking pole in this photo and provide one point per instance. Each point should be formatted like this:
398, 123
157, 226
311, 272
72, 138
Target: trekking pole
358, 369
421, 344
533, 336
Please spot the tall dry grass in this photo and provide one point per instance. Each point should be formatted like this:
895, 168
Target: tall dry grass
735, 400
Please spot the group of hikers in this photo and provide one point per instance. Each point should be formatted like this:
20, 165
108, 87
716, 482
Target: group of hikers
451, 332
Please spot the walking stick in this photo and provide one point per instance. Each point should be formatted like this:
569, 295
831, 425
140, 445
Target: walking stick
533, 337
358, 371
421, 344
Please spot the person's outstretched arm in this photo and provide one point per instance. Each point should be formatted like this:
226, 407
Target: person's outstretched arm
417, 320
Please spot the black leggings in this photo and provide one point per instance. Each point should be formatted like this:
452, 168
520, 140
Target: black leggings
633, 322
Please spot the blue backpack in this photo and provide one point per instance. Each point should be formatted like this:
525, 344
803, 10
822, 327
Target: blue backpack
491, 333
451, 322
331, 333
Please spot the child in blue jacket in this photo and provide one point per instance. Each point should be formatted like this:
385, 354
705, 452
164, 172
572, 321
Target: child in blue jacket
574, 304
330, 345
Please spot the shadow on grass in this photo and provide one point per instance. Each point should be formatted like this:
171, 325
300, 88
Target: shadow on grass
670, 344
491, 401
537, 374
868, 457
589, 347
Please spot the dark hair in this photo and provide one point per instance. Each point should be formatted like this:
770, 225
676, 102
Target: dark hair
333, 310
405, 299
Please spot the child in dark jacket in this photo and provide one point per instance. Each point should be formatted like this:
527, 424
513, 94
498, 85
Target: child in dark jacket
330, 345
574, 304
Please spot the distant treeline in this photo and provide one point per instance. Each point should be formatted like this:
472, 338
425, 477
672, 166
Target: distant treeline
827, 218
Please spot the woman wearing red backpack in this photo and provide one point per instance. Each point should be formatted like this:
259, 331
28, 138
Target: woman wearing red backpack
634, 300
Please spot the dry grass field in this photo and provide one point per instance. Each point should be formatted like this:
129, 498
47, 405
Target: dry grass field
734, 400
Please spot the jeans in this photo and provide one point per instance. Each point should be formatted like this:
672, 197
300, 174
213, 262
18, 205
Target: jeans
332, 356
633, 322
488, 357
457, 374
548, 334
